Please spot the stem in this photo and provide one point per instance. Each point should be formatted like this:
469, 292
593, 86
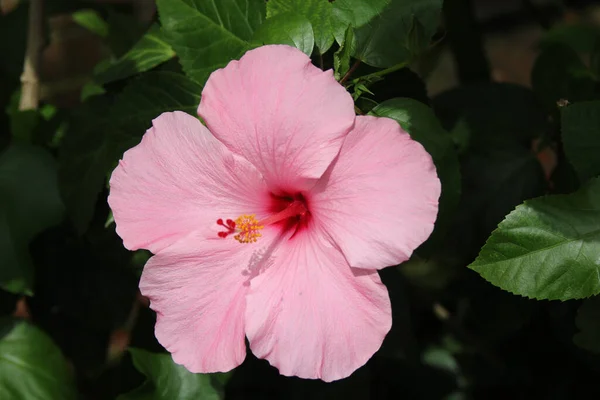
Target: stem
384, 72
30, 89
350, 72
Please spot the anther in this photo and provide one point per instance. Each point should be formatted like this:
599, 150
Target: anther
248, 228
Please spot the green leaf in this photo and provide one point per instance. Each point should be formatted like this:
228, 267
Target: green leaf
359, 89
341, 58
418, 38
580, 125
22, 123
439, 357
547, 248
91, 89
169, 381
25, 124
588, 323
595, 60
102, 132
125, 31
420, 122
291, 29
559, 74
31, 365
354, 13
318, 13
402, 30
365, 104
29, 203
207, 34
92, 21
151, 51
149, 96
85, 157
579, 37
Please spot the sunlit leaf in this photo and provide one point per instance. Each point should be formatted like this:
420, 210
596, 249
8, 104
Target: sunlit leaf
318, 13
291, 29
150, 51
207, 34
354, 13
403, 29
92, 21
547, 248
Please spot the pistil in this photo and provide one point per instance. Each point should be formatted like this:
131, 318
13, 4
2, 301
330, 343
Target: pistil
247, 228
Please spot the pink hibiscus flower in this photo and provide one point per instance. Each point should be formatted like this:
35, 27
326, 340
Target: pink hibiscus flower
271, 224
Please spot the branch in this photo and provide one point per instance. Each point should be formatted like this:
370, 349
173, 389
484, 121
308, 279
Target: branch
350, 72
30, 89
383, 72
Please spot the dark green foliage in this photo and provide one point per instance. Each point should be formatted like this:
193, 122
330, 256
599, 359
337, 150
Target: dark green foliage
32, 366
91, 151
501, 302
581, 137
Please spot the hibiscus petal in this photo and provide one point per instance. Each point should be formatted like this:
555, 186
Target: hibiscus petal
311, 315
379, 200
197, 287
280, 112
178, 180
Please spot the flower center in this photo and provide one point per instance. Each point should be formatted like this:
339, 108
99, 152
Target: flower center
246, 228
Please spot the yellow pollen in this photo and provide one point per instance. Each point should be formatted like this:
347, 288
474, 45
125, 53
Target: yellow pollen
249, 229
